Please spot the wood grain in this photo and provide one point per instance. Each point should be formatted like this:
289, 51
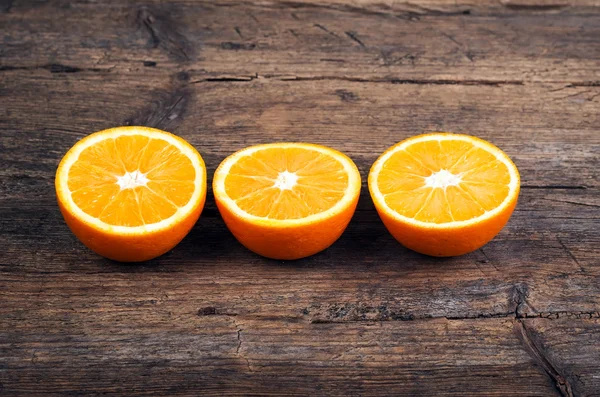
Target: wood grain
438, 42
365, 317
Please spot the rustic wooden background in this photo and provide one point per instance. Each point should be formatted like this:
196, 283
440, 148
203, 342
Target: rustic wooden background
366, 317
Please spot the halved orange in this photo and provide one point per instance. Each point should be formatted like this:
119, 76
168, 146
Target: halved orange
131, 193
444, 194
287, 200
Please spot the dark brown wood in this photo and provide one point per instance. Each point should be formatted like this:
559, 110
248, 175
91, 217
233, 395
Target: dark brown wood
365, 317
439, 42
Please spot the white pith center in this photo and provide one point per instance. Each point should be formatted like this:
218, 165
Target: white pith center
442, 179
286, 180
131, 180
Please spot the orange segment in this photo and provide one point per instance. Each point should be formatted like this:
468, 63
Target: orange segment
435, 208
153, 207
488, 196
260, 202
462, 205
287, 200
443, 194
131, 183
122, 210
94, 199
392, 181
102, 156
406, 163
253, 166
178, 192
246, 185
130, 149
84, 175
407, 203
316, 199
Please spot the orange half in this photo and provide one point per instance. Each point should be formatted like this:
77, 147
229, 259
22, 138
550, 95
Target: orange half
131, 193
444, 194
287, 200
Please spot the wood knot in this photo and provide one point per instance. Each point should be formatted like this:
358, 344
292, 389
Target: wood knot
207, 311
228, 45
347, 96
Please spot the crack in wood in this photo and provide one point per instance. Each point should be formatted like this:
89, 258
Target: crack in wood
533, 7
336, 60
519, 294
493, 83
460, 46
170, 113
354, 37
323, 28
488, 260
555, 187
568, 251
239, 32
54, 68
228, 45
238, 349
251, 15
585, 84
590, 99
234, 79
538, 353
519, 308
239, 338
571, 202
434, 12
550, 315
59, 68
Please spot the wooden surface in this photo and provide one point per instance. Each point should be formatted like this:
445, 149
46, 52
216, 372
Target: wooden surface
520, 317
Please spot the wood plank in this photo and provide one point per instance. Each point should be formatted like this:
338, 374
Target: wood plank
568, 351
491, 42
550, 133
217, 353
113, 351
543, 263
367, 316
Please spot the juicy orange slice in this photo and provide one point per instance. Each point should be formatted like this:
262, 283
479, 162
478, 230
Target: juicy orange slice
287, 200
444, 194
131, 193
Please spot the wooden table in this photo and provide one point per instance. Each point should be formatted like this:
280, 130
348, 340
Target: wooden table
366, 317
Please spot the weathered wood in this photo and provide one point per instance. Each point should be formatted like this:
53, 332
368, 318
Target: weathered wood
365, 317
560, 347
173, 351
440, 42
550, 132
181, 353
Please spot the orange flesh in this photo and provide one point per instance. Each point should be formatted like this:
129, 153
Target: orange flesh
483, 181
252, 183
93, 180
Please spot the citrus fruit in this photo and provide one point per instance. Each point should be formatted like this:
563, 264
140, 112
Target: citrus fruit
444, 194
131, 193
287, 200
